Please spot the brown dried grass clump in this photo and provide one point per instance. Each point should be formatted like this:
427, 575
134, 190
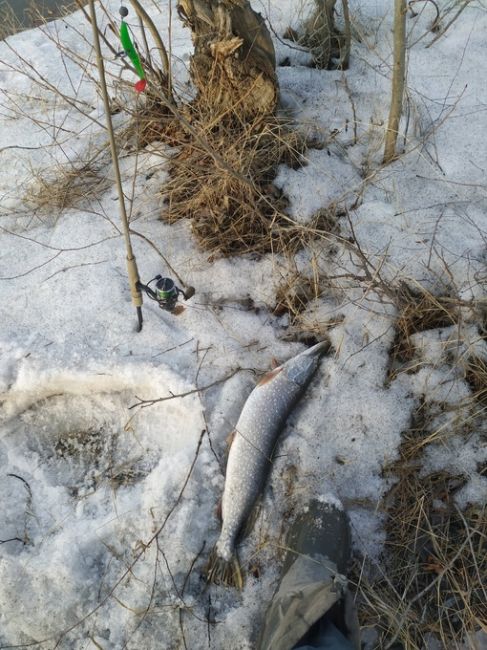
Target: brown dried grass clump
9, 22
153, 121
476, 377
432, 579
222, 180
66, 187
419, 311
327, 44
294, 294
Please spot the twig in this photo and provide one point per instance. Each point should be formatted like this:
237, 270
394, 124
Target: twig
74, 266
443, 32
26, 485
34, 268
195, 559
129, 570
18, 146
102, 35
210, 442
56, 248
73, 102
434, 27
174, 347
169, 58
283, 42
144, 403
354, 112
345, 59
151, 243
144, 40
208, 617
157, 38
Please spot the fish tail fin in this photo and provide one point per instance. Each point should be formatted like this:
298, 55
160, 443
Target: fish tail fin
224, 572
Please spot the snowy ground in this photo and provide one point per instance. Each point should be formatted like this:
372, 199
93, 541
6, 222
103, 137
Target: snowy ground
86, 482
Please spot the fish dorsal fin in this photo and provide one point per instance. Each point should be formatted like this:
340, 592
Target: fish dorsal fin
269, 376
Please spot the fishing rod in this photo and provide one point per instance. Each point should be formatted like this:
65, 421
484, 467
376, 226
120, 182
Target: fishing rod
166, 293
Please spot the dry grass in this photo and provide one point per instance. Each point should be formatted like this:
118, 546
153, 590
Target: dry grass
433, 575
432, 578
419, 311
34, 15
476, 377
66, 187
9, 22
153, 121
294, 294
325, 42
230, 198
222, 173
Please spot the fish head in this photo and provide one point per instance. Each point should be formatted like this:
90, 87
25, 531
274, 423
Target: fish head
301, 368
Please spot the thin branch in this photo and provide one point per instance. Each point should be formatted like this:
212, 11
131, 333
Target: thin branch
169, 266
56, 248
144, 403
181, 609
142, 13
347, 34
74, 266
129, 570
34, 268
443, 32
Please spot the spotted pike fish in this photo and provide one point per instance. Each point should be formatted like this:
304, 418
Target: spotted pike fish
260, 422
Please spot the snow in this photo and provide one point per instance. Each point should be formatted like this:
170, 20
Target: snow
86, 481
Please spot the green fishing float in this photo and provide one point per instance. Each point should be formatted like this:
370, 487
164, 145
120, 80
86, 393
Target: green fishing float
131, 52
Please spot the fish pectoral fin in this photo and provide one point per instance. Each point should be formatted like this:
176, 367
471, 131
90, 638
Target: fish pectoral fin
274, 363
230, 438
269, 376
218, 510
228, 442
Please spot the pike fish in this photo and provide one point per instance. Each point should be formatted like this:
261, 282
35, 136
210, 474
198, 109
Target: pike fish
260, 422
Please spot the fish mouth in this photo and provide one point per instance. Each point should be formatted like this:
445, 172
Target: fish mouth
317, 349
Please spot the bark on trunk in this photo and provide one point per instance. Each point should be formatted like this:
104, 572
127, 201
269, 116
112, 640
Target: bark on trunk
398, 78
233, 65
326, 43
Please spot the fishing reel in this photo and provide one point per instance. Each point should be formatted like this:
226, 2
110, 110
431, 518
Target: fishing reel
165, 292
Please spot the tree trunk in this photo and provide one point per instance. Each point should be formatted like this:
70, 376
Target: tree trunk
398, 78
233, 65
326, 43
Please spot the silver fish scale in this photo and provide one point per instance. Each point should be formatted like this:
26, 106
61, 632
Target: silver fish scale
261, 420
